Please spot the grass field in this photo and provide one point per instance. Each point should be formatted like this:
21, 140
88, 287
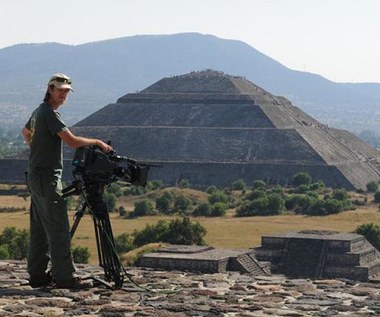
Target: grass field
223, 232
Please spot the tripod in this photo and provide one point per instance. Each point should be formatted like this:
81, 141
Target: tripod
92, 192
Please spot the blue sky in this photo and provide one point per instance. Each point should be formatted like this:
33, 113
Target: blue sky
338, 39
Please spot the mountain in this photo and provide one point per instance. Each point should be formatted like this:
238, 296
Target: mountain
105, 70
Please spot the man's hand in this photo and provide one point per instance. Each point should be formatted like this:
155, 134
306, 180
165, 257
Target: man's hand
27, 135
104, 146
77, 141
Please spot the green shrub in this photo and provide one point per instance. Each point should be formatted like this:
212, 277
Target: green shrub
164, 203
212, 189
301, 178
122, 211
218, 197
372, 186
115, 188
4, 252
276, 204
299, 203
259, 184
142, 208
178, 231
238, 185
80, 254
154, 185
16, 241
302, 189
218, 209
377, 197
124, 243
182, 204
110, 201
183, 183
340, 194
135, 190
371, 232
203, 209
256, 193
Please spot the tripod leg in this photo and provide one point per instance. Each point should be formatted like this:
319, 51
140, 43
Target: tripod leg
108, 258
78, 216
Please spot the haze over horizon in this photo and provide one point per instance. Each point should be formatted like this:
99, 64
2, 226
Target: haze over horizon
335, 39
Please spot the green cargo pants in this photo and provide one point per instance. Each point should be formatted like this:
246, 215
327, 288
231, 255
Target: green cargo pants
49, 228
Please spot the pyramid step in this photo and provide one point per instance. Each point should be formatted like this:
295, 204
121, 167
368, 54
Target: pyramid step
362, 273
361, 257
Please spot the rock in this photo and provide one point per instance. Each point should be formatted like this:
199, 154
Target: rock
182, 294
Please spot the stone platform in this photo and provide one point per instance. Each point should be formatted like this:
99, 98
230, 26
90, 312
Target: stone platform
204, 259
320, 254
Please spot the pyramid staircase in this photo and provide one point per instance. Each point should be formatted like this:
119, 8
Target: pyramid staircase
247, 263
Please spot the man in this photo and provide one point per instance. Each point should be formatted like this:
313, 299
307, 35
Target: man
49, 225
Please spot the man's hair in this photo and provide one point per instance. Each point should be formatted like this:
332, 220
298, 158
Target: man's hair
47, 94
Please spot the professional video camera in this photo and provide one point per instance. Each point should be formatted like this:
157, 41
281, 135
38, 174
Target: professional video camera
91, 164
93, 171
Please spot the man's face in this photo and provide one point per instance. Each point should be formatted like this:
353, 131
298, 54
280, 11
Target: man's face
58, 96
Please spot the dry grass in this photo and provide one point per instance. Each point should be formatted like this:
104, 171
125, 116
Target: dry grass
223, 232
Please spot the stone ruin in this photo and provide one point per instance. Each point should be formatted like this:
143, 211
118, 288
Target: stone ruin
303, 254
320, 254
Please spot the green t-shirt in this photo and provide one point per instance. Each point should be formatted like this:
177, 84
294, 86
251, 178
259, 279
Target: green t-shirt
46, 145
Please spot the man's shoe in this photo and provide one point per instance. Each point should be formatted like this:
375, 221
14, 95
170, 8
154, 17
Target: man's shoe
72, 283
36, 281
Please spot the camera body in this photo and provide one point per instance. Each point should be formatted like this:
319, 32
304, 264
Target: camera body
93, 165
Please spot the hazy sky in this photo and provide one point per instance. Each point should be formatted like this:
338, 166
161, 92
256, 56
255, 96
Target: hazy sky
339, 39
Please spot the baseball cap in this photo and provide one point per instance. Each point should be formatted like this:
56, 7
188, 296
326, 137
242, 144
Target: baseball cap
60, 81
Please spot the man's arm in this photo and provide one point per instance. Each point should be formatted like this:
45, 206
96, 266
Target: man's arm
76, 141
27, 135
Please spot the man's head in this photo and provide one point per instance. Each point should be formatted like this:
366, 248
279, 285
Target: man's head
59, 86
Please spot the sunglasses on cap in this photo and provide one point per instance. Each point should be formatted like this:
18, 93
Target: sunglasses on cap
62, 80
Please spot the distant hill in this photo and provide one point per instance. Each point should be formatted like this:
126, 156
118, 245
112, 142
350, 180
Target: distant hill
103, 71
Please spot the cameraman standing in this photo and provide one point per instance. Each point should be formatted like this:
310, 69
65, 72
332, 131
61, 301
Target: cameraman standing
49, 224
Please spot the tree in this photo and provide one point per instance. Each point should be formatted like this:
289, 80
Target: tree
371, 232
218, 209
115, 189
164, 203
178, 231
238, 185
301, 178
340, 194
377, 197
203, 209
182, 203
184, 231
276, 204
184, 183
143, 208
259, 184
372, 186
110, 201
218, 196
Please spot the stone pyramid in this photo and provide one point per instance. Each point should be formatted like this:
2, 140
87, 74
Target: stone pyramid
213, 129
